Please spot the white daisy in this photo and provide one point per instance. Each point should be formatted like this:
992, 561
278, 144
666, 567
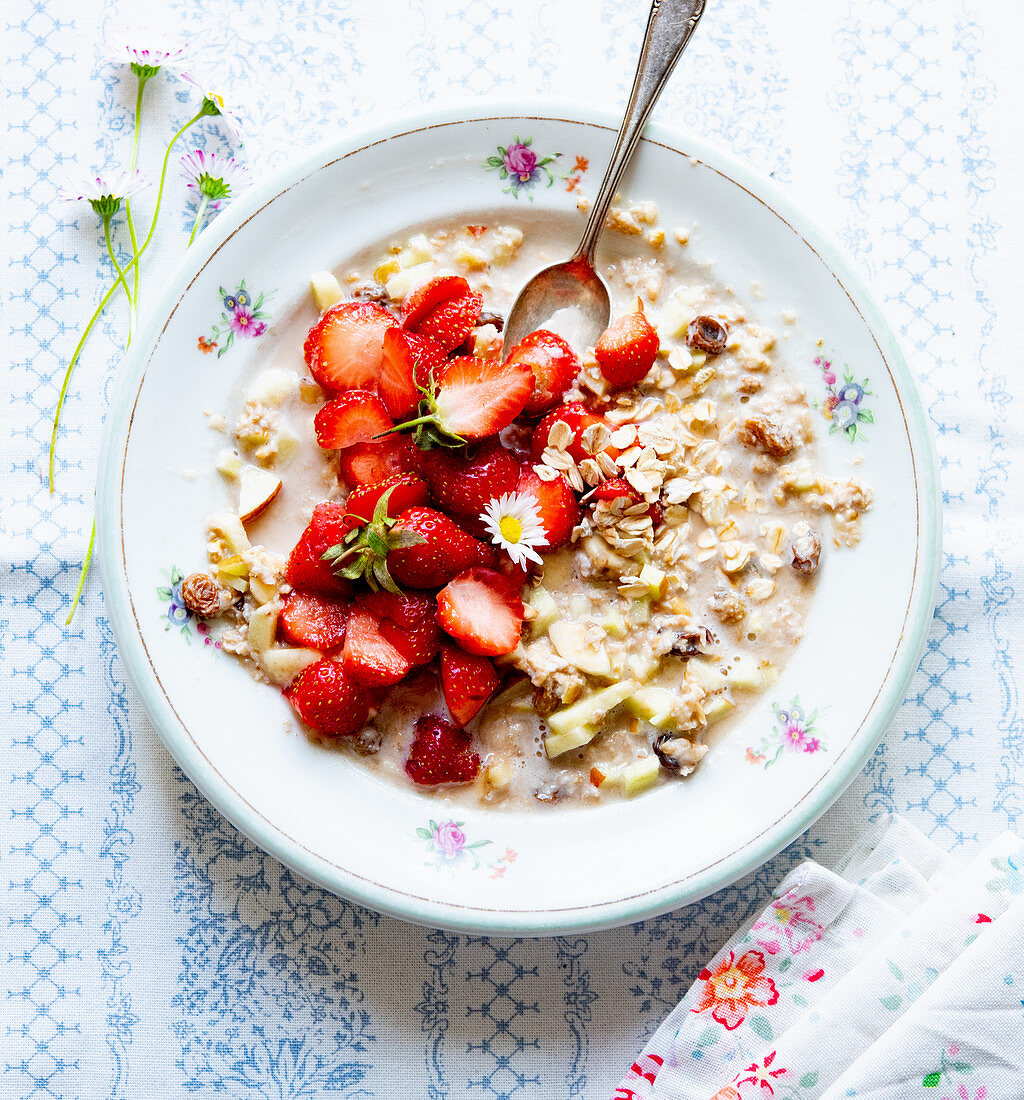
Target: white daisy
105, 195
513, 522
215, 104
147, 61
214, 178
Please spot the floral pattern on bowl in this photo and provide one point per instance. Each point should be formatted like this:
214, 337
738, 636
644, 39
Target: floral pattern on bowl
448, 847
243, 316
176, 615
794, 731
523, 167
844, 407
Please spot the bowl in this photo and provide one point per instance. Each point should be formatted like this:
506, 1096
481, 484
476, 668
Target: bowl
416, 855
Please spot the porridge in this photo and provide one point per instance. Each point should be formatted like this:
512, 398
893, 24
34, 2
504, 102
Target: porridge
540, 578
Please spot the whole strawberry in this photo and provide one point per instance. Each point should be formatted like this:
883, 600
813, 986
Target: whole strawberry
443, 551
464, 483
441, 753
328, 700
627, 349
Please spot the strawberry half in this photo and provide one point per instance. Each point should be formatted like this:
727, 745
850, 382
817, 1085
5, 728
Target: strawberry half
464, 484
314, 621
556, 503
443, 550
554, 365
440, 753
426, 298
306, 568
407, 490
357, 416
444, 309
344, 348
405, 370
483, 611
627, 349
378, 460
328, 700
368, 656
408, 621
468, 681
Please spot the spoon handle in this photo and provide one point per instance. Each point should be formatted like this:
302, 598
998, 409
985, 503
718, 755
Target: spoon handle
669, 27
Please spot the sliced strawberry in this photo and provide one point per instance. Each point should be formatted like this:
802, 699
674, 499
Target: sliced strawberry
482, 610
478, 397
368, 656
615, 488
314, 621
441, 753
354, 417
344, 348
579, 418
408, 621
408, 362
306, 568
556, 503
463, 484
407, 490
450, 324
378, 460
627, 349
426, 298
328, 700
468, 681
554, 365
444, 552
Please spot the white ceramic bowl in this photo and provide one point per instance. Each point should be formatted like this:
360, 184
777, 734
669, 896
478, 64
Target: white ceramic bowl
409, 853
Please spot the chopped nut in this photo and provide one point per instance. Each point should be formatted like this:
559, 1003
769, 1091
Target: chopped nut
203, 596
749, 384
707, 334
806, 549
766, 435
729, 607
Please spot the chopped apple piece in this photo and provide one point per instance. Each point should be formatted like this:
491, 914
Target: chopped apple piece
229, 463
654, 705
408, 279
256, 489
717, 708
273, 387
557, 743
541, 600
705, 675
261, 591
326, 289
591, 708
284, 663
746, 674
262, 625
229, 527
640, 775
655, 580
571, 642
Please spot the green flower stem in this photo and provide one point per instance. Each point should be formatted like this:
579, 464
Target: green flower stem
83, 572
143, 79
163, 176
199, 217
120, 275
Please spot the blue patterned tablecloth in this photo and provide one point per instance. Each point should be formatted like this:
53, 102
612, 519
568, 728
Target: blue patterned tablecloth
148, 950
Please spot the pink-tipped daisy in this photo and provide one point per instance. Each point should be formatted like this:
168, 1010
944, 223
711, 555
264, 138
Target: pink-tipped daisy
105, 194
216, 179
215, 104
146, 61
513, 522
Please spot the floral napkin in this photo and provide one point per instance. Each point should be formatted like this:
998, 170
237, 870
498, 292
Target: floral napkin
900, 975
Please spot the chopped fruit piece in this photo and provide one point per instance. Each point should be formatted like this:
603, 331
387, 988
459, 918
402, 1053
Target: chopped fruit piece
357, 416
578, 417
256, 489
407, 490
451, 323
443, 552
483, 611
328, 700
556, 503
468, 682
615, 488
441, 753
464, 484
473, 398
326, 289
554, 365
306, 568
408, 621
344, 348
589, 711
378, 460
368, 656
408, 362
283, 663
314, 621
426, 298
627, 349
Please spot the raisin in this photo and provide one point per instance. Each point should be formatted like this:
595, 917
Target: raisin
489, 317
693, 643
707, 334
202, 595
545, 701
766, 435
729, 607
806, 549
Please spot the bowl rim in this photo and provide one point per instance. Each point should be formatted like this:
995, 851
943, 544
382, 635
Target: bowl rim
493, 921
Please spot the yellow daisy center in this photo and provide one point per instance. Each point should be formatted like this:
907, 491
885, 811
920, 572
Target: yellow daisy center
511, 529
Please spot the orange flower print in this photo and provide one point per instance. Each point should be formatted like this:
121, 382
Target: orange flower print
206, 346
734, 986
581, 165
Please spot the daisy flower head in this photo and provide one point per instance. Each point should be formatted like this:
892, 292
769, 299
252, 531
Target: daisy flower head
513, 522
146, 61
214, 178
105, 194
215, 104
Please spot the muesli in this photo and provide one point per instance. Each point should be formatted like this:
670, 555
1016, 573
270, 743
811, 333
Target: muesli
540, 578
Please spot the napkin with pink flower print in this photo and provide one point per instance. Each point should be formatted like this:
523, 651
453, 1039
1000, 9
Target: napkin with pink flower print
898, 976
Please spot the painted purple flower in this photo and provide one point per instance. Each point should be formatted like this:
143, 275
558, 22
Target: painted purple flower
449, 839
520, 161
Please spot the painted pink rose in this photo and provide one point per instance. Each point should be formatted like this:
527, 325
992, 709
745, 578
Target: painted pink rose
450, 839
242, 322
520, 161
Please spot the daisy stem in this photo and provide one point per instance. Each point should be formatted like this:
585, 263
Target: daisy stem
83, 572
163, 178
199, 217
128, 202
120, 275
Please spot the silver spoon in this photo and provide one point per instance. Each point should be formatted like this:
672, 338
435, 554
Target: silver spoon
571, 296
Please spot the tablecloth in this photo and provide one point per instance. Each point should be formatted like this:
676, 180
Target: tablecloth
148, 949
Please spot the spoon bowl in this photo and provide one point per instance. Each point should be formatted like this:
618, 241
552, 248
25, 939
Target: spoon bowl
569, 298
